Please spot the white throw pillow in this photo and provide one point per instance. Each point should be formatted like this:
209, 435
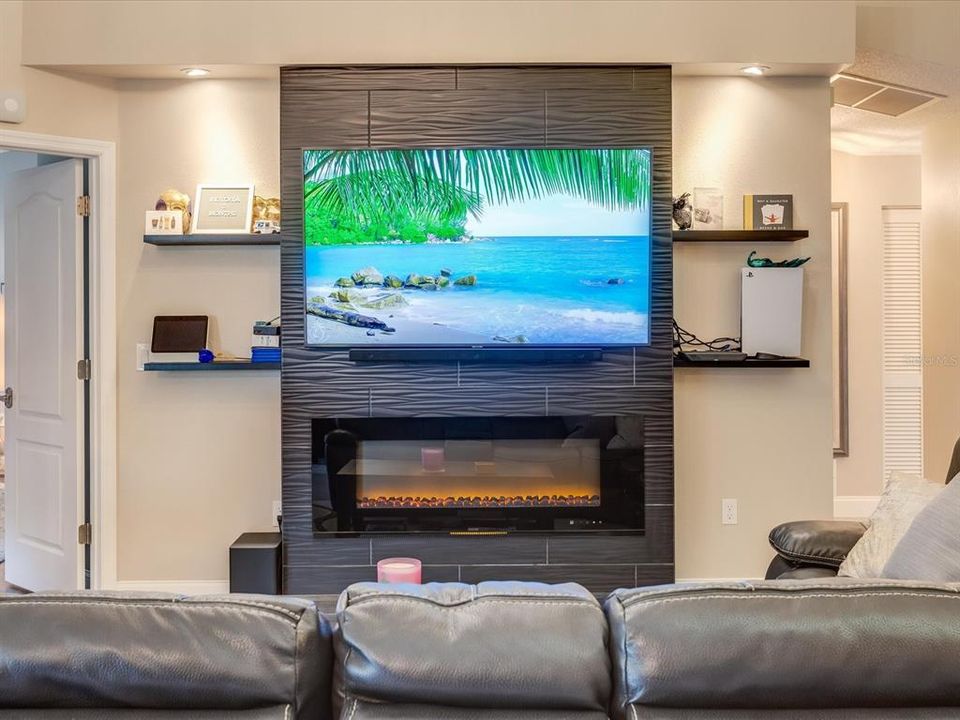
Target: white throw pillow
903, 498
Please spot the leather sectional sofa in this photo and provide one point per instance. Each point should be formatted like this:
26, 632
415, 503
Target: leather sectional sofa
494, 651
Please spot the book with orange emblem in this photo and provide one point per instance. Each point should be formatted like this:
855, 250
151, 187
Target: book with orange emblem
768, 212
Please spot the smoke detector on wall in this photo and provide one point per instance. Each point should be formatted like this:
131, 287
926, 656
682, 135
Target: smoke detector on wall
879, 97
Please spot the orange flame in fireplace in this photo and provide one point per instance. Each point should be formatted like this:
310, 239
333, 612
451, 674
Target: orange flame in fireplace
501, 473
513, 501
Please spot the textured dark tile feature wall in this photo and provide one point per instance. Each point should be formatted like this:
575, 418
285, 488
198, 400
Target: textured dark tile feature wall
534, 106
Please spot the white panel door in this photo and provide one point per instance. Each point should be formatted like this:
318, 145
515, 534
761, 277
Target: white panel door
44, 341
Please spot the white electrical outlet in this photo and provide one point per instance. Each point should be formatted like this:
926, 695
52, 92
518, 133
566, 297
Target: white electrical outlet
276, 510
143, 355
728, 511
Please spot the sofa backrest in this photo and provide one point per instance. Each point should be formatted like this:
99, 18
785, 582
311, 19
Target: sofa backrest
505, 649
249, 655
820, 648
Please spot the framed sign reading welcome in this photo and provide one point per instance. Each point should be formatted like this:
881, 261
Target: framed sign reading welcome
223, 209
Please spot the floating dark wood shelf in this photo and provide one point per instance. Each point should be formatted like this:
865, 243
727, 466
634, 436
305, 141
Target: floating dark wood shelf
748, 363
753, 236
200, 240
222, 365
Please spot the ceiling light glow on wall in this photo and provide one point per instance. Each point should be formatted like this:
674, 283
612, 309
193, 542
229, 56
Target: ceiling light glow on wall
756, 70
195, 72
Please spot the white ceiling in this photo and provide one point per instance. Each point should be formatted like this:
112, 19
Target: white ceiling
866, 133
895, 44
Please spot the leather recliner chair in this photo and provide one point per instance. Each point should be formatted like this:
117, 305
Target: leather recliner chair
809, 549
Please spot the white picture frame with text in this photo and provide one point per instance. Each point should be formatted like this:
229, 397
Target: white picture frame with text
222, 209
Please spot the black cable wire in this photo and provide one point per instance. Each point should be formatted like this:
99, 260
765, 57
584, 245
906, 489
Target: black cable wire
684, 339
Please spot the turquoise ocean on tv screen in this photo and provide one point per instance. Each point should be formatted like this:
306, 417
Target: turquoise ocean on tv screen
550, 290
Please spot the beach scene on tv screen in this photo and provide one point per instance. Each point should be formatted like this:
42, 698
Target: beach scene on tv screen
477, 247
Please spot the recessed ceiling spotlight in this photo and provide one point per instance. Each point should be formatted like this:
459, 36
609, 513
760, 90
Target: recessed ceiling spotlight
755, 70
195, 71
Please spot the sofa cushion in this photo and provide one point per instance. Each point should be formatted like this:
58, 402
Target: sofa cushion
493, 645
784, 644
164, 652
930, 549
904, 496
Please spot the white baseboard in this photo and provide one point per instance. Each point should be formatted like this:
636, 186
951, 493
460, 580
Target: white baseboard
180, 587
854, 506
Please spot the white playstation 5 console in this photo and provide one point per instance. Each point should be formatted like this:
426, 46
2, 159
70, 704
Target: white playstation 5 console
771, 310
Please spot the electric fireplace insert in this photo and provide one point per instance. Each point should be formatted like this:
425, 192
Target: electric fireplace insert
475, 474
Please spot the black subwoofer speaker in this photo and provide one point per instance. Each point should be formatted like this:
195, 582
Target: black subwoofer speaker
255, 564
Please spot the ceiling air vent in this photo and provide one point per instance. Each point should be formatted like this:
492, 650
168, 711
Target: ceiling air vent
877, 96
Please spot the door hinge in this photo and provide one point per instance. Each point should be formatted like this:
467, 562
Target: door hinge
83, 206
85, 534
83, 369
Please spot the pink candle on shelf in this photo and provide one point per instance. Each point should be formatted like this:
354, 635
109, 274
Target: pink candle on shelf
432, 459
399, 570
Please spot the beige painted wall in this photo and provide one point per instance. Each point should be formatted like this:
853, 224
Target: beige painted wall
867, 183
761, 436
200, 456
925, 30
56, 104
941, 293
199, 453
275, 32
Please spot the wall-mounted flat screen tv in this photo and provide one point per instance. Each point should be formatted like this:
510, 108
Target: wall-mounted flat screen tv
477, 247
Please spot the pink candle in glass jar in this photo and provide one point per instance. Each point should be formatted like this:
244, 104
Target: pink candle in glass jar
432, 459
399, 570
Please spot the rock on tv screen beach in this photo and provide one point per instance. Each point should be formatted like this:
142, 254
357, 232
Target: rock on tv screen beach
477, 247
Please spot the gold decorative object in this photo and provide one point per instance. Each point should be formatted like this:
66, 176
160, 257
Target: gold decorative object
266, 215
266, 209
175, 200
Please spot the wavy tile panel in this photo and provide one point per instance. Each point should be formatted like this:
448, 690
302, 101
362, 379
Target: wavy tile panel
456, 118
476, 106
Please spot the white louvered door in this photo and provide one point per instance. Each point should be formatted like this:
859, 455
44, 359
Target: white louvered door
902, 342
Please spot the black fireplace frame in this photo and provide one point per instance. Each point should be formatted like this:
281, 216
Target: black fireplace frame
620, 474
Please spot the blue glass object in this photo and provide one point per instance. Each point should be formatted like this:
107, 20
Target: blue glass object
206, 355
